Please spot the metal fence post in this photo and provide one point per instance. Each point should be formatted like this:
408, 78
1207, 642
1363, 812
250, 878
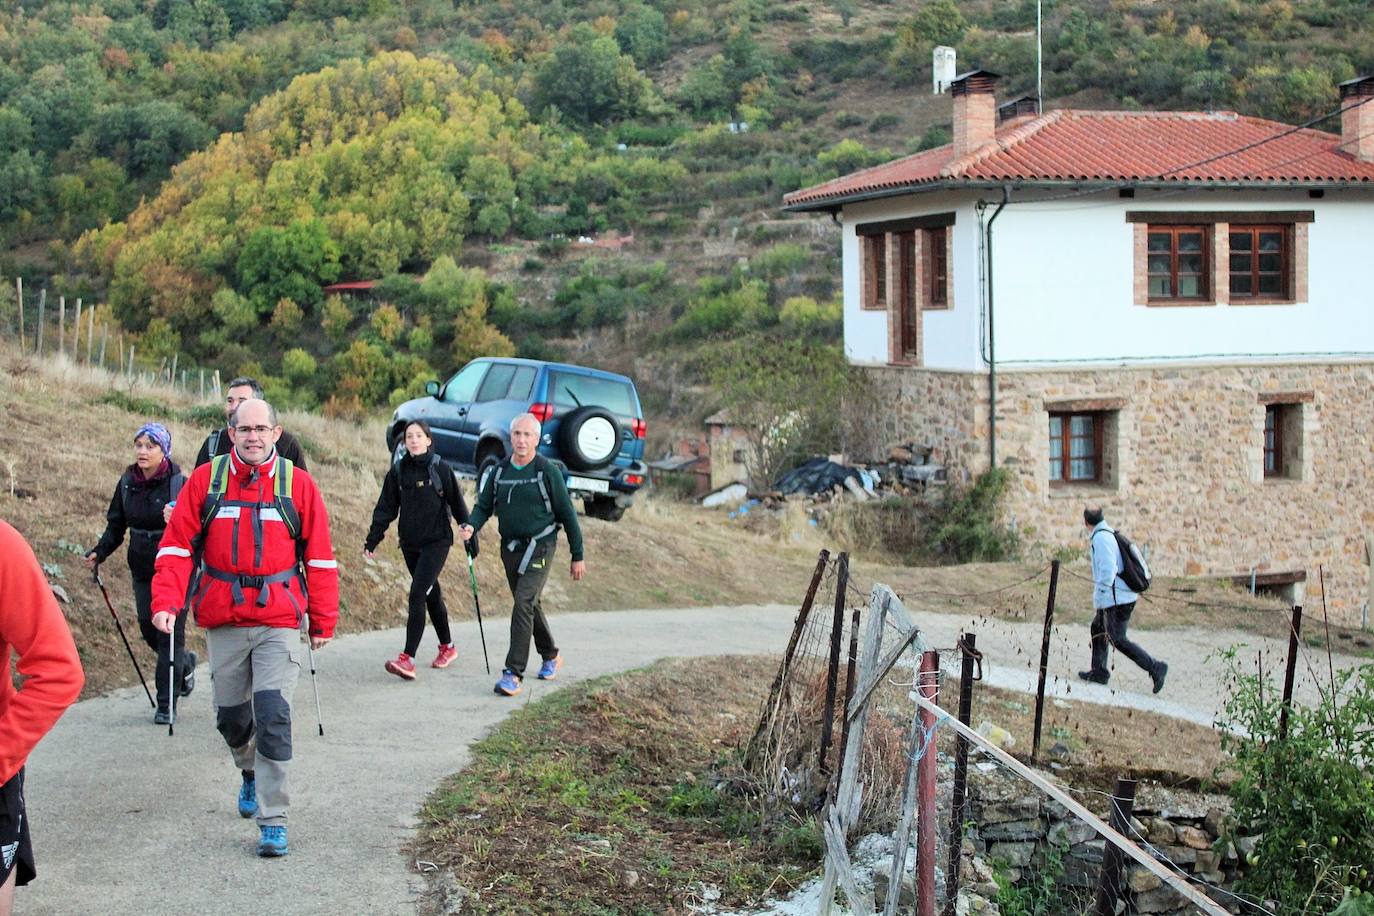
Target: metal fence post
928, 686
832, 670
1293, 632
959, 804
1109, 882
1044, 657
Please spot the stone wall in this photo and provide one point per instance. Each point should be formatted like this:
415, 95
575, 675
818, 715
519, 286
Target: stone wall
1014, 825
1184, 462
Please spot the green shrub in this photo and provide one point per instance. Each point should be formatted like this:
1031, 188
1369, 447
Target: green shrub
969, 527
883, 122
845, 119
1307, 797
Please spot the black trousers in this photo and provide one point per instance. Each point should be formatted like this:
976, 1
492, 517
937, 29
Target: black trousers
1109, 630
527, 614
425, 563
160, 642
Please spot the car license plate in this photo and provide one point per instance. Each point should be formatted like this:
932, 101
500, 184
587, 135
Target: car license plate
588, 483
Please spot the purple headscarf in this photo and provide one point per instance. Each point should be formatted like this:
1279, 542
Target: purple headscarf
159, 434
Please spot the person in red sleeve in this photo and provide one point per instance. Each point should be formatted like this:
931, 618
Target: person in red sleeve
265, 563
32, 623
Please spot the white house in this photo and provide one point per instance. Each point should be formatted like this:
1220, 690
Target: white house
1171, 313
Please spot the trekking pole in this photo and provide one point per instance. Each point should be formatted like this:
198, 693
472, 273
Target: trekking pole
95, 574
172, 684
476, 602
310, 651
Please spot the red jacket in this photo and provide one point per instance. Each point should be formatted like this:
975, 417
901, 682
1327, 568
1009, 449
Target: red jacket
32, 623
214, 601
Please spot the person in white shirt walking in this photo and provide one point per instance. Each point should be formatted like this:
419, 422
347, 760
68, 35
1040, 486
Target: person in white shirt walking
1113, 602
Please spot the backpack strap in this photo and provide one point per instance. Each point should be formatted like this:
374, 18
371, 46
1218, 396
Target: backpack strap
282, 480
434, 479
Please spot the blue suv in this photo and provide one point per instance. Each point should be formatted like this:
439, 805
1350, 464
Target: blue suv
593, 426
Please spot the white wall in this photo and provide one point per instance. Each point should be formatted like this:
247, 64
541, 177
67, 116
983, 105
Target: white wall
1063, 285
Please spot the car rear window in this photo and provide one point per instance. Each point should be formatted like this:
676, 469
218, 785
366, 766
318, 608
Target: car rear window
570, 390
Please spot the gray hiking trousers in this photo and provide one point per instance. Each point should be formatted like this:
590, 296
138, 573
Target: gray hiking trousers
254, 670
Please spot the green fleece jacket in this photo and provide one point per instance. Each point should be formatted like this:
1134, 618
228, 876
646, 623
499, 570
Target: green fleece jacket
519, 506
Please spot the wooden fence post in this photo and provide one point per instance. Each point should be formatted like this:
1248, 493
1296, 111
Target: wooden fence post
76, 333
959, 803
104, 339
42, 310
1109, 882
832, 669
19, 292
1044, 657
62, 325
1294, 630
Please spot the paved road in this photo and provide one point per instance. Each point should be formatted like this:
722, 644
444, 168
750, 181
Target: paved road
130, 821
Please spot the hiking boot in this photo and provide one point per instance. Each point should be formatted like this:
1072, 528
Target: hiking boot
402, 666
248, 796
188, 677
1095, 677
162, 717
509, 685
549, 670
272, 841
445, 657
1161, 670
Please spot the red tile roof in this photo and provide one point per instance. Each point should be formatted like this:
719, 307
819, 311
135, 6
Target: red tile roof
1164, 147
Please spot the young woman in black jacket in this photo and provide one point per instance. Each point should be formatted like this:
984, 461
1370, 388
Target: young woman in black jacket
141, 506
424, 491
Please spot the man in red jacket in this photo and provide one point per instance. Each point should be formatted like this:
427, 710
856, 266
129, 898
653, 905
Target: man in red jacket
267, 527
32, 623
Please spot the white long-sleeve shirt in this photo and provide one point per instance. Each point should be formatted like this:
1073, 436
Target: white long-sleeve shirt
1109, 589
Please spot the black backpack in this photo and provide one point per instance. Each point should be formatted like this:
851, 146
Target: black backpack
1135, 572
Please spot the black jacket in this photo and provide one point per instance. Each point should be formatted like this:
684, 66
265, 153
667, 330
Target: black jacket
287, 447
409, 490
137, 510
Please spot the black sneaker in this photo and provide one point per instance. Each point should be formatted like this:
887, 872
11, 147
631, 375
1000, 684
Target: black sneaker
1093, 677
1157, 676
161, 717
188, 678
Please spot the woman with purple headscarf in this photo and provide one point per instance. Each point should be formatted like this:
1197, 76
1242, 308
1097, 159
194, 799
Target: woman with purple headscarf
141, 506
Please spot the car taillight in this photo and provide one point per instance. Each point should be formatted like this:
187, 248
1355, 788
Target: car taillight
638, 428
633, 480
542, 412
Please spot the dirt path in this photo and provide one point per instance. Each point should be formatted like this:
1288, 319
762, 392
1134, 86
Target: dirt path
128, 820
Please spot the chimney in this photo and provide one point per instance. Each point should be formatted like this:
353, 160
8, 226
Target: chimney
942, 67
1357, 117
1020, 107
975, 110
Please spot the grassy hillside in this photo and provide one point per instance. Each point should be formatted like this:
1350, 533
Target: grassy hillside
580, 118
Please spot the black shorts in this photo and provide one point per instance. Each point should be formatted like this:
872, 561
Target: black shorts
16, 852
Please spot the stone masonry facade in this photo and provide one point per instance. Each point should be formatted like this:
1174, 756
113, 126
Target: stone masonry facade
1182, 462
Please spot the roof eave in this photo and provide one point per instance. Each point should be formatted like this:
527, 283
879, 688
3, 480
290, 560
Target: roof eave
836, 203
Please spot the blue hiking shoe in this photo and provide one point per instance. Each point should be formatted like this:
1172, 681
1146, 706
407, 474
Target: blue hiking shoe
549, 670
509, 685
248, 796
272, 842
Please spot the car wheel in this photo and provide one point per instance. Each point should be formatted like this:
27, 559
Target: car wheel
602, 508
589, 438
487, 461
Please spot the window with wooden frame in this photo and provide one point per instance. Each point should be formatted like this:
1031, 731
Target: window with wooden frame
1283, 441
1176, 263
937, 268
1261, 262
1076, 447
875, 271
908, 309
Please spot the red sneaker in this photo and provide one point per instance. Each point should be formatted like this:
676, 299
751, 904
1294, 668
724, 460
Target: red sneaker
446, 655
402, 667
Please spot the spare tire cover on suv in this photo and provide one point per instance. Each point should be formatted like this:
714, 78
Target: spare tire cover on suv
589, 438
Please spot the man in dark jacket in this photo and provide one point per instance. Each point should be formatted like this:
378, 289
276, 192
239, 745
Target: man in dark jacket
219, 443
527, 495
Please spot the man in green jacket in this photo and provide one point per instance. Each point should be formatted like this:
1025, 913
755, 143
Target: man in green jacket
527, 495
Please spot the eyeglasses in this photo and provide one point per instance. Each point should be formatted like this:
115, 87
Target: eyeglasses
253, 430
